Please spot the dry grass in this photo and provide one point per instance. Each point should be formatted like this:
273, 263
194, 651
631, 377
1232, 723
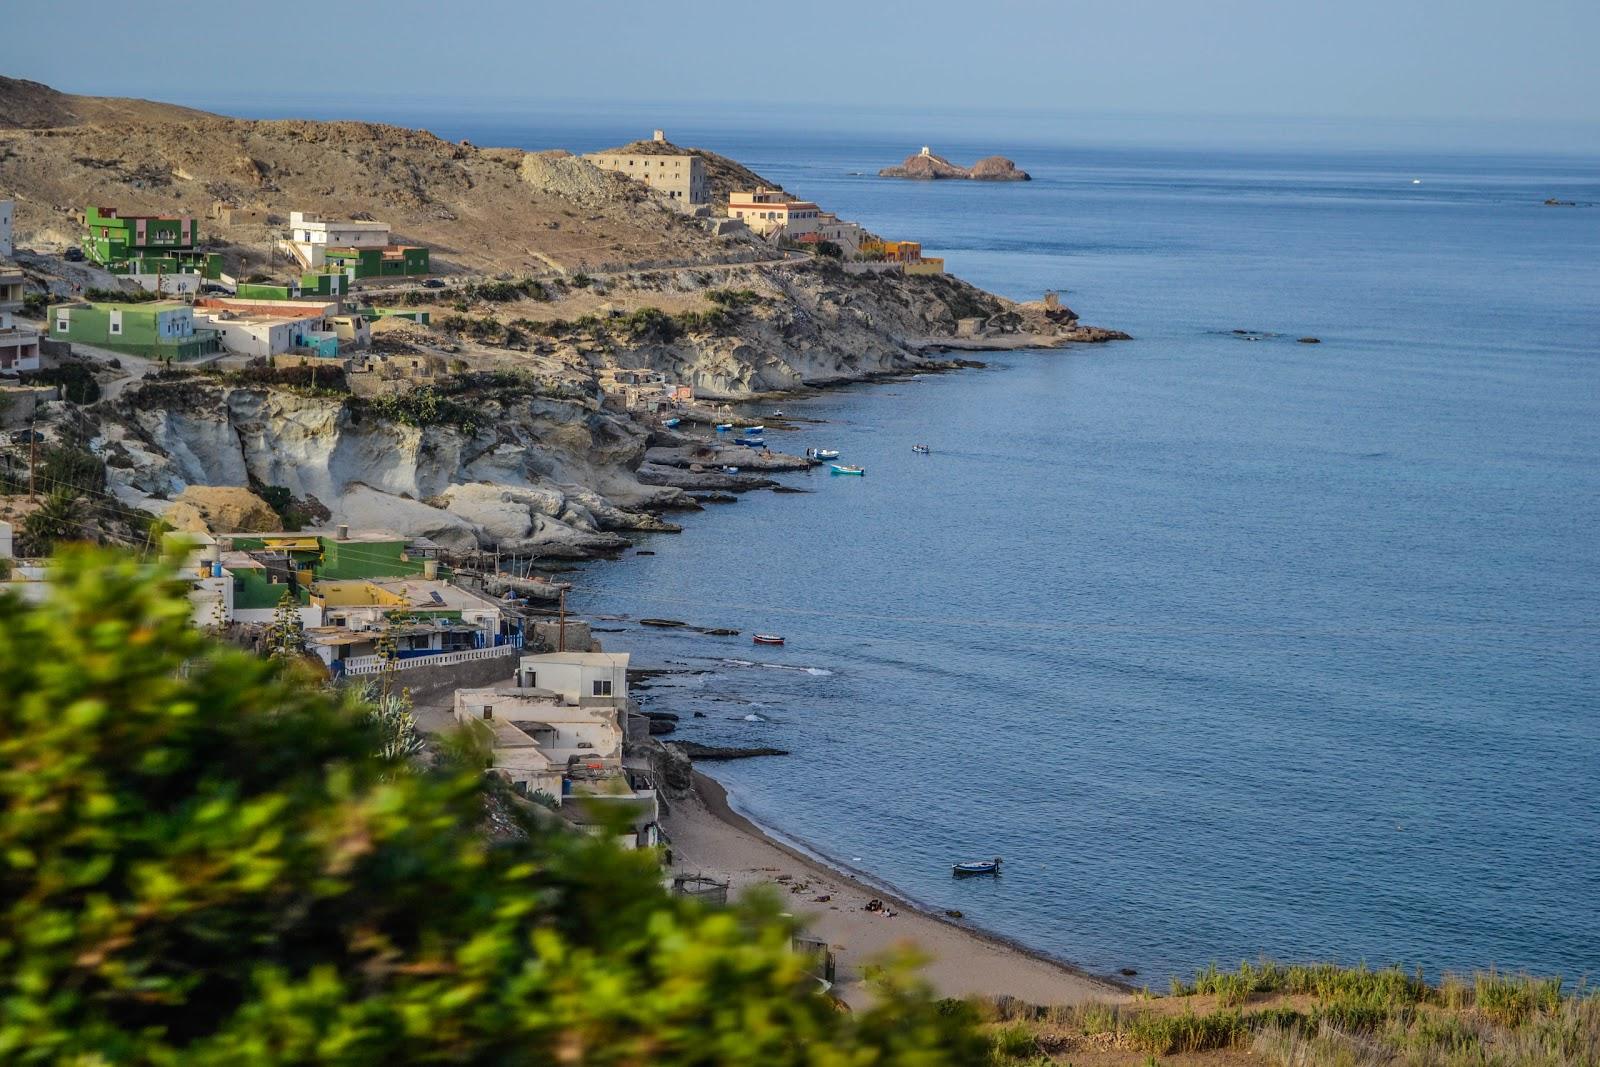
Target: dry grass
1316, 1016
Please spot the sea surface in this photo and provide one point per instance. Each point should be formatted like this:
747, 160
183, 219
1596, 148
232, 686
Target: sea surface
1229, 646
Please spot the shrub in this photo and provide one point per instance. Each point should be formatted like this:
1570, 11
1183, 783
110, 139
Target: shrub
75, 380
206, 860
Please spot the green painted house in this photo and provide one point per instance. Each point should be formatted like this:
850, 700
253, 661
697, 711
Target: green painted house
332, 558
160, 329
147, 244
395, 261
309, 285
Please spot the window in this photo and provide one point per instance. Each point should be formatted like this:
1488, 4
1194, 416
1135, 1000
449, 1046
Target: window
116, 326
61, 324
602, 687
488, 711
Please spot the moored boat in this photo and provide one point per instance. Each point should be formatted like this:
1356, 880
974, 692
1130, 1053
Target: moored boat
822, 453
767, 639
962, 870
724, 427
842, 468
754, 431
752, 442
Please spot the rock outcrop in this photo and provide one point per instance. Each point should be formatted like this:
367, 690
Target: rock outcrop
926, 166
221, 508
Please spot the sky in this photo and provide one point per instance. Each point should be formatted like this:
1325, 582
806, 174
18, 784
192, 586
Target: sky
1485, 69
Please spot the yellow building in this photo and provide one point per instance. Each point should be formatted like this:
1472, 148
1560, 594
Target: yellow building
772, 212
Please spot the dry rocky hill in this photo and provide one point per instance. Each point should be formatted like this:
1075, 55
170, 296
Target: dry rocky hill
558, 272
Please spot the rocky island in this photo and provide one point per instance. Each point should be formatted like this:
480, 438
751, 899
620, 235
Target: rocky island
926, 166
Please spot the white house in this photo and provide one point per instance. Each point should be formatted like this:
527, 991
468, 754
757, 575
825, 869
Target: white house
19, 345
581, 678
589, 737
261, 335
312, 235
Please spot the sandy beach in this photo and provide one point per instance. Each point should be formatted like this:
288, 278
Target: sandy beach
710, 838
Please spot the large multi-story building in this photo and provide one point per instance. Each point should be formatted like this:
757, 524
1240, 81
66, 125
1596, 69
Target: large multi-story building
774, 213
679, 176
19, 345
160, 329
147, 244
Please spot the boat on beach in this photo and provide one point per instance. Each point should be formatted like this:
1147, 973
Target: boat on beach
724, 427
671, 423
767, 639
752, 442
843, 468
964, 870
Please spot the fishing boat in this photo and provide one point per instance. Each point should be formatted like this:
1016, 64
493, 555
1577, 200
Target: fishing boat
822, 453
921, 450
777, 414
767, 639
730, 470
724, 427
840, 468
963, 870
671, 423
754, 431
753, 442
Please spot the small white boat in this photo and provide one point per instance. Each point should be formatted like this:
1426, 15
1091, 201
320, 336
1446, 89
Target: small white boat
730, 470
767, 639
840, 468
921, 450
822, 453
724, 427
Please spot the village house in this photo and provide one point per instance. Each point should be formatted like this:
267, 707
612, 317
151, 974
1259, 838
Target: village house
906, 253
678, 176
266, 334
354, 249
584, 678
774, 213
544, 744
417, 617
147, 247
161, 329
19, 345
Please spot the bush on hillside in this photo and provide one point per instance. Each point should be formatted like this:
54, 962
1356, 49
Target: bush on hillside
206, 859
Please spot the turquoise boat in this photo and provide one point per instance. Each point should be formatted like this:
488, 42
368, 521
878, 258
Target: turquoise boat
843, 469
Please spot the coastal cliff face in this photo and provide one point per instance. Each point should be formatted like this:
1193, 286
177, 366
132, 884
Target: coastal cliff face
927, 166
529, 473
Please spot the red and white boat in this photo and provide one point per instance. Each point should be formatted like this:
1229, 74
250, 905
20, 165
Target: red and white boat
767, 639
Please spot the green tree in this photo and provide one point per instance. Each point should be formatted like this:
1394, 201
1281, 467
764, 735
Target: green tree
203, 861
58, 518
286, 635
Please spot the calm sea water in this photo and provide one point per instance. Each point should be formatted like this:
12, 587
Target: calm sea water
1229, 647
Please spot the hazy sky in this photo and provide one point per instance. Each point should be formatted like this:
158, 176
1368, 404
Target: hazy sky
1500, 62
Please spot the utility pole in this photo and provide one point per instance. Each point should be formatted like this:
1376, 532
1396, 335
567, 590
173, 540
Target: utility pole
33, 452
561, 633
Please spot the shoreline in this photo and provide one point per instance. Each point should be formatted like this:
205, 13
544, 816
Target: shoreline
710, 836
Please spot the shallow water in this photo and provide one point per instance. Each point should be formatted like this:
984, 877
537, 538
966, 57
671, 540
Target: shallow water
1228, 647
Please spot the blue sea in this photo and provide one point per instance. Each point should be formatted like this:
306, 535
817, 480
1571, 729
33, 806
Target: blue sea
1229, 646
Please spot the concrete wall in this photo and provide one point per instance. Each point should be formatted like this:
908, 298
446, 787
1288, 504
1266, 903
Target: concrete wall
7, 213
436, 685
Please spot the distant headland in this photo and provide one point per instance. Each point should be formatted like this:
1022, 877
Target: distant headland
926, 166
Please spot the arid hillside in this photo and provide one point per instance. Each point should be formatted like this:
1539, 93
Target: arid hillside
482, 210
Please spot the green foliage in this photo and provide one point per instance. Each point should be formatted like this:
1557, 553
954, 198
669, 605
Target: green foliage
286, 635
60, 517
420, 407
75, 380
204, 861
35, 304
733, 299
580, 281
829, 250
1164, 1035
122, 296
